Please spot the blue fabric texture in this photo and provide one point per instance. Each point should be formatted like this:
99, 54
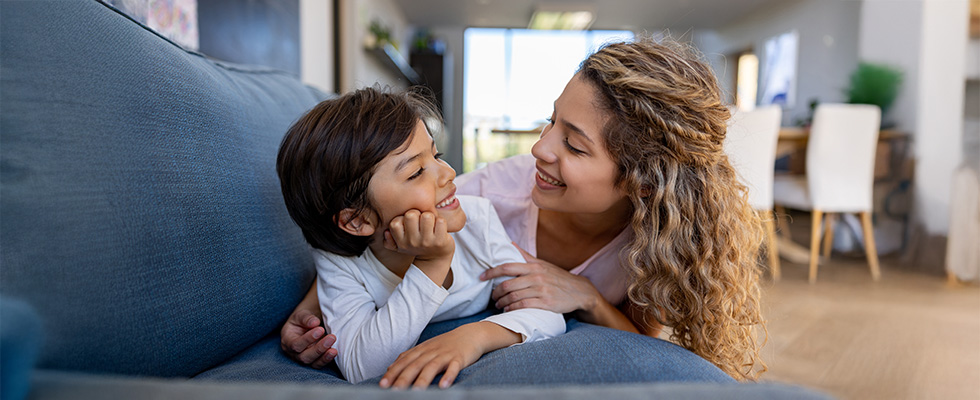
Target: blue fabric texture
141, 214
585, 354
20, 341
590, 354
265, 362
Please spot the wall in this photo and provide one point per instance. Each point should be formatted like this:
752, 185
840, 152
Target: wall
891, 33
262, 32
939, 128
453, 107
927, 39
316, 44
828, 32
358, 67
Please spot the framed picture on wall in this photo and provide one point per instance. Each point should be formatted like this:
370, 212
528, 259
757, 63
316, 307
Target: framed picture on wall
778, 75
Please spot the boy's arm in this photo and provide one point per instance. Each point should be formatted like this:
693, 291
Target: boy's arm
370, 338
531, 323
447, 354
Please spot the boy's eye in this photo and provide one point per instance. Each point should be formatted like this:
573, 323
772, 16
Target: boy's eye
572, 148
551, 121
416, 174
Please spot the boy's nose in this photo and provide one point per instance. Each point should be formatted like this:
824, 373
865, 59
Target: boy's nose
446, 174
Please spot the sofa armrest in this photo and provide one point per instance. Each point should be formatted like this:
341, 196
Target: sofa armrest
56, 385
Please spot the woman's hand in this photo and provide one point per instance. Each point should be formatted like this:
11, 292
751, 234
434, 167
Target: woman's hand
540, 284
448, 354
302, 338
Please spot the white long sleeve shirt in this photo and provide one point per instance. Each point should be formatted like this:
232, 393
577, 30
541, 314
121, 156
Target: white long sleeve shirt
376, 315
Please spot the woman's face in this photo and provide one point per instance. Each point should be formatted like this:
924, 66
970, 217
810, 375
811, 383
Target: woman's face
575, 172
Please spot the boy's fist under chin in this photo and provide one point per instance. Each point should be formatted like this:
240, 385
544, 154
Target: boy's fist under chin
420, 234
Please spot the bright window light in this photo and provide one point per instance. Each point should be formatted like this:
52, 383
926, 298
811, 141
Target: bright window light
511, 80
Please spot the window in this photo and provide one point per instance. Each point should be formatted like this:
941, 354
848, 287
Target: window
747, 81
511, 79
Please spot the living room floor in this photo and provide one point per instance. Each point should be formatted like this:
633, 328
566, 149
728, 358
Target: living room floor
909, 336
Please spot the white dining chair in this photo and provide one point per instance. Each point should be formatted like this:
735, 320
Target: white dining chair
840, 154
751, 147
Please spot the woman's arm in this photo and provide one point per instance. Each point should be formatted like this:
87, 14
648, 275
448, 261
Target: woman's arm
540, 284
643, 320
448, 354
302, 338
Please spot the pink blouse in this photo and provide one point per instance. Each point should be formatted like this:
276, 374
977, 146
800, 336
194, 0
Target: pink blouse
507, 184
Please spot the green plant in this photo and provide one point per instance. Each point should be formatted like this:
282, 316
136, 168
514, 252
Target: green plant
876, 84
381, 33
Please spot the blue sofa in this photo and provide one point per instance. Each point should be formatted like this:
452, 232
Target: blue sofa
145, 250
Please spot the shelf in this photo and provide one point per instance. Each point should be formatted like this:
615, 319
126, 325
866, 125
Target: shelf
394, 60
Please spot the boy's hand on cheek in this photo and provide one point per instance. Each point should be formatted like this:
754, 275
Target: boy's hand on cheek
425, 236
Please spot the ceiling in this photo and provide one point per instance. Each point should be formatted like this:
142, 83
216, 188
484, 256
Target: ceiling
653, 15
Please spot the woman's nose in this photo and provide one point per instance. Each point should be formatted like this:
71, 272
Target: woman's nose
543, 149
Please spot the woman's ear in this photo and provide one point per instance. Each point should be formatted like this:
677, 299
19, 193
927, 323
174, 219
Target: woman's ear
354, 223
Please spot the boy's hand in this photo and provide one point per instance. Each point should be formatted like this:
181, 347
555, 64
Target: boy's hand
424, 236
448, 354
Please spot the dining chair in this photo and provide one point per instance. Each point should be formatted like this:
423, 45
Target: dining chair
751, 147
839, 176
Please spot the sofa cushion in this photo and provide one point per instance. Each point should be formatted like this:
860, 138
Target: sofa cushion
20, 338
584, 354
141, 212
265, 362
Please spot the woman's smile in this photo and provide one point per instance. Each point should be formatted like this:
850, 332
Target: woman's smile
546, 181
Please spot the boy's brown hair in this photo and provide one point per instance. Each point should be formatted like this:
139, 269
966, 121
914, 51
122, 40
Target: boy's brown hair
328, 157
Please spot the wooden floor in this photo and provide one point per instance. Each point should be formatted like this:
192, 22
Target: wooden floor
909, 336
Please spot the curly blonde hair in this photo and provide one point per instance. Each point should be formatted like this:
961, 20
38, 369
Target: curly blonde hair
693, 258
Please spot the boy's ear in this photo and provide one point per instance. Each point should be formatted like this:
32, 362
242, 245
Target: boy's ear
354, 223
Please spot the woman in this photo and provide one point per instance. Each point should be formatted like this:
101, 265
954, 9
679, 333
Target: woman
633, 215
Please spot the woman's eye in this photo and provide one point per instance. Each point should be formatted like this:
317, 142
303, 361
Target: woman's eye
438, 156
416, 174
551, 121
572, 148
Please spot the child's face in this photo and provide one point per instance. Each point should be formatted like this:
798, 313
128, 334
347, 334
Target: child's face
414, 177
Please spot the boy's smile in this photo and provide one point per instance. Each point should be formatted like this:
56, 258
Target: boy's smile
414, 177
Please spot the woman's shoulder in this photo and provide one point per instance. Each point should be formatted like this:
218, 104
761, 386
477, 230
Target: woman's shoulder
507, 176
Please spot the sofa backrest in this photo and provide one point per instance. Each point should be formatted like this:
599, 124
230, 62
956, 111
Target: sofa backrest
140, 212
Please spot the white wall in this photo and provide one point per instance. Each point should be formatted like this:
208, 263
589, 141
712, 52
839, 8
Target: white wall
891, 33
939, 129
316, 43
828, 32
928, 40
358, 67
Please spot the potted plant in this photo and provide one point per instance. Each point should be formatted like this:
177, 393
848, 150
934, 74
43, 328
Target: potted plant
876, 84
